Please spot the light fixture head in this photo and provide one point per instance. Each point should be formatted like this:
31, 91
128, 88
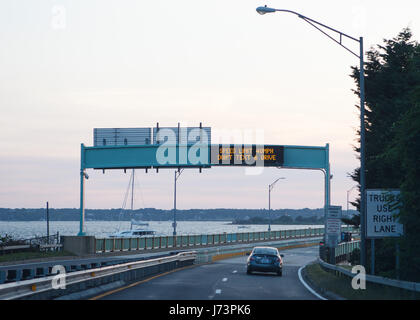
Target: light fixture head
265, 9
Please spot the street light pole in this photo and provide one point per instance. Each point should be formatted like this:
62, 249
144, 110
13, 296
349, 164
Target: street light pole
316, 24
362, 161
48, 224
348, 192
177, 174
270, 187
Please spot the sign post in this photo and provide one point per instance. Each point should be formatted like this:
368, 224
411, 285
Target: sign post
333, 229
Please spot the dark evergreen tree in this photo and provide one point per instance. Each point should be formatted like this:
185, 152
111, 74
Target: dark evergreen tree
392, 81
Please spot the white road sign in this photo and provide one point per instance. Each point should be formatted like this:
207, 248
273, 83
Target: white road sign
334, 212
381, 208
333, 226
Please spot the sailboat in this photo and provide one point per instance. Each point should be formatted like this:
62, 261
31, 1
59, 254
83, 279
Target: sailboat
133, 233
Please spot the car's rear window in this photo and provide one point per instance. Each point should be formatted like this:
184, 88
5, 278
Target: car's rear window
265, 251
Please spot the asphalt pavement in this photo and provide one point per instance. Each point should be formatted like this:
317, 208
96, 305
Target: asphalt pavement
225, 279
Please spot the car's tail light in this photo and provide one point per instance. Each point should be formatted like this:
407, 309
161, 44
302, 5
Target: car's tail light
277, 259
251, 258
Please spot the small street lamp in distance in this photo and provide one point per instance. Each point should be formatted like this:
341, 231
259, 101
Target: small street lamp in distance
177, 174
348, 192
270, 187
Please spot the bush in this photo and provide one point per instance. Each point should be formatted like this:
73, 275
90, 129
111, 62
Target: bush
7, 240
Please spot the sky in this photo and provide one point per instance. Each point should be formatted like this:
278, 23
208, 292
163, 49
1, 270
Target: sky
70, 66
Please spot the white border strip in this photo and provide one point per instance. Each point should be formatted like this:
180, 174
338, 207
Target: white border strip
307, 286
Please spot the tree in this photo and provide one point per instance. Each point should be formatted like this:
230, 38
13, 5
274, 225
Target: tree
353, 221
392, 82
406, 147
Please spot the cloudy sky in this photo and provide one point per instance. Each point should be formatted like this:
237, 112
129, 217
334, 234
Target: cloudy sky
70, 66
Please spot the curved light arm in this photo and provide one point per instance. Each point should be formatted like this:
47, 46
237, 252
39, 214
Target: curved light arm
314, 23
178, 173
271, 186
348, 192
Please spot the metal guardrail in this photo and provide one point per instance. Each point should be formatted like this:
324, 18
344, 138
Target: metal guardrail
24, 289
341, 252
130, 244
412, 286
14, 247
344, 249
46, 240
37, 243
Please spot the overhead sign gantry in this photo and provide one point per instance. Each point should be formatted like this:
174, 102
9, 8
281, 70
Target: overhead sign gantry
129, 148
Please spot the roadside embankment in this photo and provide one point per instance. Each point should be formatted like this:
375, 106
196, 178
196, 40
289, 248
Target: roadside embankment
336, 286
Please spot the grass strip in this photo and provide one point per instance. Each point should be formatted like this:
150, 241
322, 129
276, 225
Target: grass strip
325, 281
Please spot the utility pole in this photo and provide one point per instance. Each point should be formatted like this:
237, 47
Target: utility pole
48, 224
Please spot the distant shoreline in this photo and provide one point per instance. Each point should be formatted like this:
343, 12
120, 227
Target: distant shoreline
238, 216
122, 220
277, 223
228, 222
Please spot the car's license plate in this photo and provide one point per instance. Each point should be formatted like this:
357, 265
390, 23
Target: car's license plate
265, 261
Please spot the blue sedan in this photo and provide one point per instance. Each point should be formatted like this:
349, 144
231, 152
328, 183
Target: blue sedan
265, 259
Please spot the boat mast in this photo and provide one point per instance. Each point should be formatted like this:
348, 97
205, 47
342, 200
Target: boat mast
132, 197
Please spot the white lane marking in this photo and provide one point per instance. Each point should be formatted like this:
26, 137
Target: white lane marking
307, 286
224, 279
218, 291
234, 271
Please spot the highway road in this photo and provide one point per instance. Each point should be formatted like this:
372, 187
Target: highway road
224, 279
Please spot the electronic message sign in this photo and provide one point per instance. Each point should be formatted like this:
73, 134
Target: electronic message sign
247, 155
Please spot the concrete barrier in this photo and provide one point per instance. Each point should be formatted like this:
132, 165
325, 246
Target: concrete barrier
41, 272
79, 245
14, 275
79, 282
28, 274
